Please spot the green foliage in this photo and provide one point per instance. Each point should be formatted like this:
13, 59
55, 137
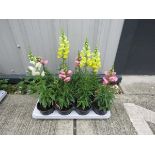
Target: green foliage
64, 94
28, 85
94, 82
9, 88
22, 87
3, 84
47, 92
104, 97
84, 87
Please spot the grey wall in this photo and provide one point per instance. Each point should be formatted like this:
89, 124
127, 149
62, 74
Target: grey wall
42, 36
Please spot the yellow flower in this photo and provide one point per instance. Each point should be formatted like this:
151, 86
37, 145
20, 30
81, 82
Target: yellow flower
85, 55
63, 50
96, 61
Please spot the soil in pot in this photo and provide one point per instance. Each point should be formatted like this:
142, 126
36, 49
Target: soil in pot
97, 110
64, 111
81, 111
45, 111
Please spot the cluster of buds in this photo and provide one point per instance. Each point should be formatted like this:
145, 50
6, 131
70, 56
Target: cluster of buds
65, 75
110, 77
77, 62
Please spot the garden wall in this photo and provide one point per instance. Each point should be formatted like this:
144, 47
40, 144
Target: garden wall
41, 36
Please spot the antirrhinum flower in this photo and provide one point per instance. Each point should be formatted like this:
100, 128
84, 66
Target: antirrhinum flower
44, 62
110, 77
37, 69
65, 75
63, 50
85, 55
95, 61
77, 62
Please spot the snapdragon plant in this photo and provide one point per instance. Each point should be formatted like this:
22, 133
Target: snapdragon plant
64, 95
86, 82
104, 97
47, 91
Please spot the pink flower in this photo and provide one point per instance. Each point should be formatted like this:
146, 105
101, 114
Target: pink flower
105, 81
67, 79
69, 72
44, 62
62, 76
77, 63
113, 78
62, 72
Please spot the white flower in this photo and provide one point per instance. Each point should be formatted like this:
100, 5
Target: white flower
43, 73
35, 73
31, 68
38, 65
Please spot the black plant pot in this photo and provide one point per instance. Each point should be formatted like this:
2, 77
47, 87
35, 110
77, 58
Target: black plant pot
65, 111
45, 111
97, 111
81, 111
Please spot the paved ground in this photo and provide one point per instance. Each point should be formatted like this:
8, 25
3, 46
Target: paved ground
16, 111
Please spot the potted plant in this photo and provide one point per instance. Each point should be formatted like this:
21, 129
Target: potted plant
64, 96
83, 104
104, 97
46, 98
88, 81
44, 89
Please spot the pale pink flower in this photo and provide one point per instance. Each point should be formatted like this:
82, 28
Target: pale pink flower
44, 62
113, 78
106, 74
105, 81
67, 79
77, 63
62, 72
69, 72
62, 76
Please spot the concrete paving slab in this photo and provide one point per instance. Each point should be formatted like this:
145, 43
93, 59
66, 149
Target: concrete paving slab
152, 127
138, 85
138, 116
16, 118
146, 101
118, 124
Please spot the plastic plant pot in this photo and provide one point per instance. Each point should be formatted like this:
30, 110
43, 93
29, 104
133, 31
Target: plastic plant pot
45, 111
81, 111
64, 111
96, 109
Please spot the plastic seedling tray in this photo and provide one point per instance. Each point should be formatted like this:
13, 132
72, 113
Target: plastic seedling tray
2, 95
73, 115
